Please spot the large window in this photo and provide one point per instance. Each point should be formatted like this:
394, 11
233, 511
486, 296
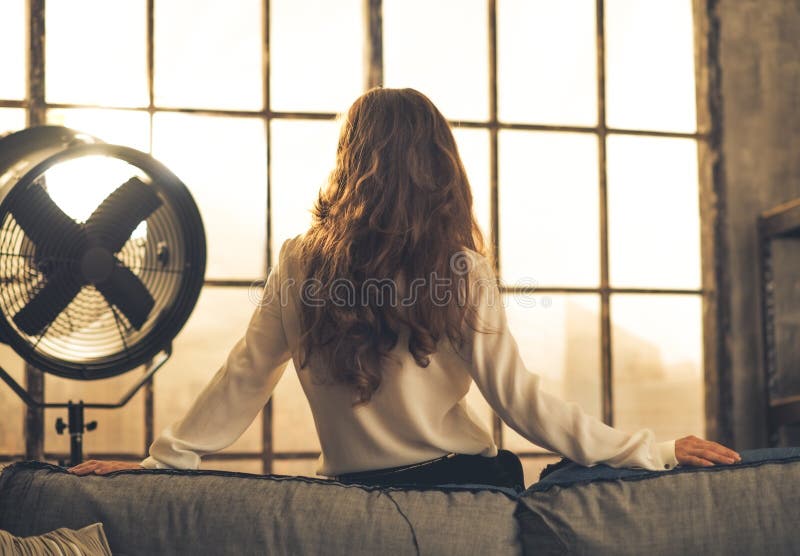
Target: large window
576, 122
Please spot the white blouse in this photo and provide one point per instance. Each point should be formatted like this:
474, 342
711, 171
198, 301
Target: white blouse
416, 415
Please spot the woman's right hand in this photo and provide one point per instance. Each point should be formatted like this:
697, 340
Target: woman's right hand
694, 451
97, 467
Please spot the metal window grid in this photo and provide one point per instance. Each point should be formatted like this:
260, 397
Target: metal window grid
714, 290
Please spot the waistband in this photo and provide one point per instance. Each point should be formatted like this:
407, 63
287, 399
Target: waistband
390, 470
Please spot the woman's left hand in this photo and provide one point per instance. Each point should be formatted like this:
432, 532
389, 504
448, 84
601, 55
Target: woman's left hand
97, 467
695, 451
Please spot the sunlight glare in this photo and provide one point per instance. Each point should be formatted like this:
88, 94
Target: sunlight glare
13, 25
549, 207
473, 147
316, 63
79, 185
11, 119
442, 54
208, 54
223, 162
95, 52
547, 62
650, 82
654, 214
303, 156
116, 127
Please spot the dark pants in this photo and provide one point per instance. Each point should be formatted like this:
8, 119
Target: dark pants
503, 470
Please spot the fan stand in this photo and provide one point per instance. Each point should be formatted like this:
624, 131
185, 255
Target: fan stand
75, 411
76, 429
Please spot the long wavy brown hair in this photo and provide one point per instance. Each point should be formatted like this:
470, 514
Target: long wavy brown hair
397, 210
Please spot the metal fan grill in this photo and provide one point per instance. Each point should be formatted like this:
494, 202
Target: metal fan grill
102, 256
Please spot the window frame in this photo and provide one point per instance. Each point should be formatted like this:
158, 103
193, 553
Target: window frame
714, 289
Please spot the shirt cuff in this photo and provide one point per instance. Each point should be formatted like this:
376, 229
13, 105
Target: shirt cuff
667, 452
152, 463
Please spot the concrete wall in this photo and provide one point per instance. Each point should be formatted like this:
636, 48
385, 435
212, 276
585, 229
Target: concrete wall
760, 63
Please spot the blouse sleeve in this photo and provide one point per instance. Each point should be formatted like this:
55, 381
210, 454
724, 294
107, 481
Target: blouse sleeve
515, 395
236, 393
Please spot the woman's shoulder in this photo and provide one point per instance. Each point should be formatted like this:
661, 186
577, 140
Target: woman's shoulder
290, 248
289, 257
472, 262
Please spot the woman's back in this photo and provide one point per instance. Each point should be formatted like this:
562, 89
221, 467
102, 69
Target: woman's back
417, 413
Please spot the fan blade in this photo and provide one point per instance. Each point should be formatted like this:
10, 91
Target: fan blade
52, 299
124, 290
113, 222
45, 224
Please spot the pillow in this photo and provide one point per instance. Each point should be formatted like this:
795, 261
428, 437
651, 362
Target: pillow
89, 541
747, 508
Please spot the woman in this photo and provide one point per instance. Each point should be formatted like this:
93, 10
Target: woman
390, 310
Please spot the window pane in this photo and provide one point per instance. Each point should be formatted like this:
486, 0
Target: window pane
533, 467
295, 467
252, 466
11, 119
547, 62
654, 216
303, 156
12, 410
316, 58
208, 54
219, 320
118, 430
650, 65
559, 339
96, 52
473, 146
549, 215
223, 162
658, 369
13, 24
439, 48
293, 424
118, 127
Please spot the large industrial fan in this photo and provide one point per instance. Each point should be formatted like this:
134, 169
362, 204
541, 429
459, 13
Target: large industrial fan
102, 257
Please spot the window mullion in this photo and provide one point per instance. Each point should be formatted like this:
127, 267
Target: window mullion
267, 443
606, 379
373, 43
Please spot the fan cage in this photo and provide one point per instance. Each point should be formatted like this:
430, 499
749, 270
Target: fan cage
91, 339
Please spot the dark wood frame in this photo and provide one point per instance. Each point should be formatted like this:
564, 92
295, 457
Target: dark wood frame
715, 289
780, 222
